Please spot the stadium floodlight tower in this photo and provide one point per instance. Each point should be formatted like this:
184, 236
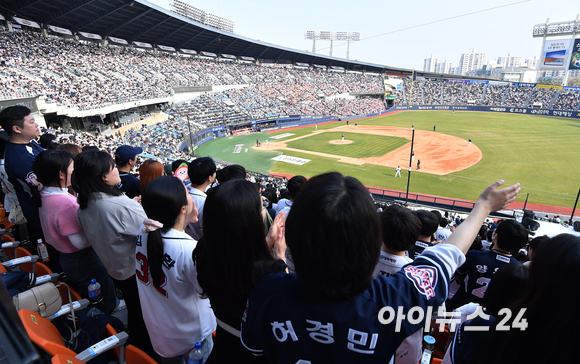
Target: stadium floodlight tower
331, 36
349, 37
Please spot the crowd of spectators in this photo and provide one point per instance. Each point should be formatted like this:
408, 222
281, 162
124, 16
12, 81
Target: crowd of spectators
472, 94
494, 95
272, 226
543, 97
567, 100
430, 92
452, 93
518, 96
87, 75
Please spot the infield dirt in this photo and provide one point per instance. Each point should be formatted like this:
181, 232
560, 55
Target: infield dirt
439, 153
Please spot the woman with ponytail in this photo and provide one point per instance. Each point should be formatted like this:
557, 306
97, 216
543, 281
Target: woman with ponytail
168, 289
111, 222
58, 218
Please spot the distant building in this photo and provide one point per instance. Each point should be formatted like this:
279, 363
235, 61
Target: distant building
532, 63
509, 61
471, 61
429, 64
445, 68
512, 74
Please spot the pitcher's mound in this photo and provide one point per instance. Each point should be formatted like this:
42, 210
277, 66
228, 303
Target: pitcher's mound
338, 141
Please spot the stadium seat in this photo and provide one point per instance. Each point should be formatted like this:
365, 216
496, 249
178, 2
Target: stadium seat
63, 290
65, 359
44, 334
133, 354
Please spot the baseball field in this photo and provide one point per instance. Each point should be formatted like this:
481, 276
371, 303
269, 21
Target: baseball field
539, 152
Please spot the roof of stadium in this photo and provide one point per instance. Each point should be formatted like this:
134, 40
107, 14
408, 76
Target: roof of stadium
141, 21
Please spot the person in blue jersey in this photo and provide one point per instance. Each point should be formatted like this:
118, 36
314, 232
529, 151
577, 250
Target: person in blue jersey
429, 224
480, 266
332, 310
20, 153
550, 317
506, 287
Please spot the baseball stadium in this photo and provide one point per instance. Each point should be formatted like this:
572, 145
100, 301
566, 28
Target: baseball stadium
204, 196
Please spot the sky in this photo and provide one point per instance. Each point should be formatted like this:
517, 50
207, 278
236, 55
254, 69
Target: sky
396, 33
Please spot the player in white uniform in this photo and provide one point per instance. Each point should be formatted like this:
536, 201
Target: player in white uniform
398, 174
175, 315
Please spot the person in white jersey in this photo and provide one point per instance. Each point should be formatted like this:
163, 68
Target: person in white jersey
175, 314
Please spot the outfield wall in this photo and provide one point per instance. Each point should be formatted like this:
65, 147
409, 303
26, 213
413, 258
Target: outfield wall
512, 110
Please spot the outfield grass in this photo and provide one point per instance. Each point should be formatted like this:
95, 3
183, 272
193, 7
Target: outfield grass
251, 159
539, 152
305, 130
362, 146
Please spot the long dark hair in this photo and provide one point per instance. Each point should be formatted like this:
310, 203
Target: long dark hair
46, 167
87, 177
162, 201
233, 240
334, 234
550, 310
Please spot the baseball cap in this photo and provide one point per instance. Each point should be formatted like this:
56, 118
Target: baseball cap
126, 152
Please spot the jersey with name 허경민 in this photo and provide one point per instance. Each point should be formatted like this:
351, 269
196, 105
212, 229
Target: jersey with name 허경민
286, 324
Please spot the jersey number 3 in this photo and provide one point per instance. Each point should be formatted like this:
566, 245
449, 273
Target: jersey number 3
143, 274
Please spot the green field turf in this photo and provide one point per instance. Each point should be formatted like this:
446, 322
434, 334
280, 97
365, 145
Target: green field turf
541, 153
252, 160
362, 146
305, 130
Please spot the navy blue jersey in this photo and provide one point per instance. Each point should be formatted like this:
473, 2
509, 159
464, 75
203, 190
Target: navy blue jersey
287, 325
469, 338
129, 184
418, 248
477, 271
18, 163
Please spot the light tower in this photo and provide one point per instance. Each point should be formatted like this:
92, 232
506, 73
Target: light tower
331, 36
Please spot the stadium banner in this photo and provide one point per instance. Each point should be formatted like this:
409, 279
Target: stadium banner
523, 84
478, 81
118, 40
179, 90
552, 87
554, 54
575, 59
289, 159
166, 48
60, 30
229, 56
28, 23
454, 80
90, 35
568, 88
498, 83
188, 51
337, 68
512, 110
208, 54
247, 58
29, 102
319, 66
142, 44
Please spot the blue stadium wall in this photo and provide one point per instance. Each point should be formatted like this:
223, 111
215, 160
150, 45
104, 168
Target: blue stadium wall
512, 110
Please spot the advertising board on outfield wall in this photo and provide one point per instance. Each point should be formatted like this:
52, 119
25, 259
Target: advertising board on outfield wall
512, 110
